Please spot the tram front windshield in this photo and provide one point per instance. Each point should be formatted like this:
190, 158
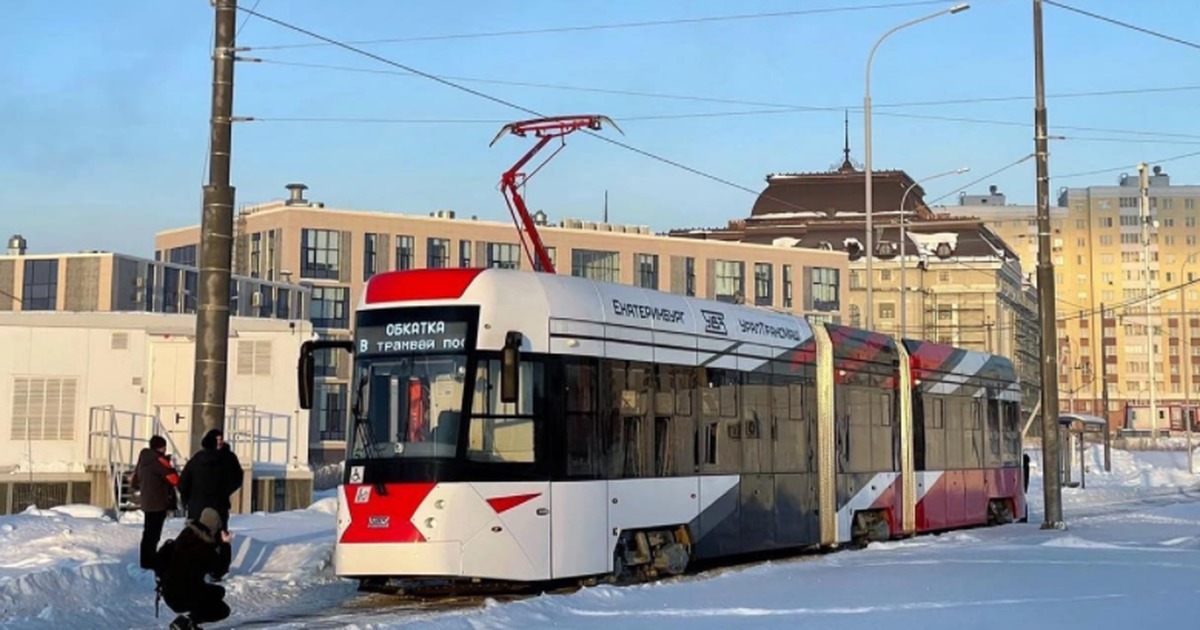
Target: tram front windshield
413, 406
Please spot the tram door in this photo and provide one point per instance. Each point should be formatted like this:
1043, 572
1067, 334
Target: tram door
758, 482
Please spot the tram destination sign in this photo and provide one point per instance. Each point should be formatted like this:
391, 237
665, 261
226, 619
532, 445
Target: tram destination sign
412, 337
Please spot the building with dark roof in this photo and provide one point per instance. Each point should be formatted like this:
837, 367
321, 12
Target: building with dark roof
962, 283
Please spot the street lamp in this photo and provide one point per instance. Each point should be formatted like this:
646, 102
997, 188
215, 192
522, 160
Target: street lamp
867, 149
903, 242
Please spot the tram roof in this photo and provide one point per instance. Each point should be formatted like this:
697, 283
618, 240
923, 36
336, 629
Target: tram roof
572, 299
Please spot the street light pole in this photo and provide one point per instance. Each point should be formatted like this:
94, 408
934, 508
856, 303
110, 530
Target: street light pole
1187, 358
869, 201
904, 241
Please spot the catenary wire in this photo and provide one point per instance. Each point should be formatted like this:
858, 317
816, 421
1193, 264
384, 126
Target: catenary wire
784, 108
512, 105
1133, 27
619, 25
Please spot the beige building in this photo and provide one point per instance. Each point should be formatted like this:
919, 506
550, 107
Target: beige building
335, 250
81, 394
1098, 259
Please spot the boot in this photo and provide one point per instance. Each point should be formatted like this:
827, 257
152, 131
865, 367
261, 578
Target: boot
183, 622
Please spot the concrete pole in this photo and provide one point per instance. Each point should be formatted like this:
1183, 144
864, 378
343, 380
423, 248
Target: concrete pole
1052, 488
1144, 187
216, 241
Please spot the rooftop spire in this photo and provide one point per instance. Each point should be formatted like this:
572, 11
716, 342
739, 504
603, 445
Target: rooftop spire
847, 166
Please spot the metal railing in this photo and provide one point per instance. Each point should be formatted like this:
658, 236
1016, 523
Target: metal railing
115, 439
262, 438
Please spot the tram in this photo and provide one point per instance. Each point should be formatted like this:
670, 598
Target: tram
520, 427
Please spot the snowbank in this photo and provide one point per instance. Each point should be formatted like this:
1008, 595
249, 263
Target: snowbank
74, 567
280, 561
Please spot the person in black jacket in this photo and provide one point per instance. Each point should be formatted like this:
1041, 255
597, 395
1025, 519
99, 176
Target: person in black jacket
155, 478
201, 550
211, 477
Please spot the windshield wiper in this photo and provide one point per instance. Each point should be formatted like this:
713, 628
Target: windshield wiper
362, 428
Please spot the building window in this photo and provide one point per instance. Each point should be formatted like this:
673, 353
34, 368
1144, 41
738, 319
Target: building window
763, 283
325, 363
647, 270
689, 266
405, 252
438, 253
887, 310
885, 275
464, 254
787, 286
855, 280
823, 289
256, 255
503, 256
330, 307
330, 411
185, 255
597, 265
320, 254
855, 316
729, 281
943, 276
40, 291
370, 255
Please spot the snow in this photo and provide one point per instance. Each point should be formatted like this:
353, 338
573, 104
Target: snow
1131, 551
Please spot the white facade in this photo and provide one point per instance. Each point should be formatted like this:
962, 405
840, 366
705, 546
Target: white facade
67, 378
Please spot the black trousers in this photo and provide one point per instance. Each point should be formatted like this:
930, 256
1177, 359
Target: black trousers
151, 533
202, 606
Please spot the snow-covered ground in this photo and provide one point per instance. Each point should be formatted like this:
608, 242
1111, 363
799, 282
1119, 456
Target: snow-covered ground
1131, 555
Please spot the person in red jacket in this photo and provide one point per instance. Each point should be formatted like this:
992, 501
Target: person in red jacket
156, 479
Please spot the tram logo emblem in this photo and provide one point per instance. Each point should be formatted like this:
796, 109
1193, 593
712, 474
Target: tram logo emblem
363, 494
379, 522
714, 322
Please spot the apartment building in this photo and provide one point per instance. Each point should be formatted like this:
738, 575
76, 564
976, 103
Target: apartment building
1100, 263
333, 251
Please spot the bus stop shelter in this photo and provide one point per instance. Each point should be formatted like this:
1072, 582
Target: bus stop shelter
1074, 428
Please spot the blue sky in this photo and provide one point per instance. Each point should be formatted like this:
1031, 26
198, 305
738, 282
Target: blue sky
106, 105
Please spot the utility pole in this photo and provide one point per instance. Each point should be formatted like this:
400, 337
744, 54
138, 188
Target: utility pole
1144, 202
1051, 483
216, 240
1104, 389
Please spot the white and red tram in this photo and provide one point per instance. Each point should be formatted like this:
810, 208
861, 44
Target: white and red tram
527, 427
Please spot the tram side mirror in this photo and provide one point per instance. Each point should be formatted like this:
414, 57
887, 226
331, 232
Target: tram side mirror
306, 368
304, 375
510, 368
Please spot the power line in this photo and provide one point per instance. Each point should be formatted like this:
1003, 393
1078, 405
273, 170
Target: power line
619, 25
512, 105
1127, 25
247, 19
1126, 167
976, 181
785, 108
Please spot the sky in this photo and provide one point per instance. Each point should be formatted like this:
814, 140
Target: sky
106, 105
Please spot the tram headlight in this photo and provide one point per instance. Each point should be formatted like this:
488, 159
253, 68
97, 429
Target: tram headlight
440, 504
430, 522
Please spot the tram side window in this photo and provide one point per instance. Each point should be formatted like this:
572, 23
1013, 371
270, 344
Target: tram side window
935, 433
627, 432
1012, 433
995, 438
973, 435
581, 406
504, 432
673, 391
